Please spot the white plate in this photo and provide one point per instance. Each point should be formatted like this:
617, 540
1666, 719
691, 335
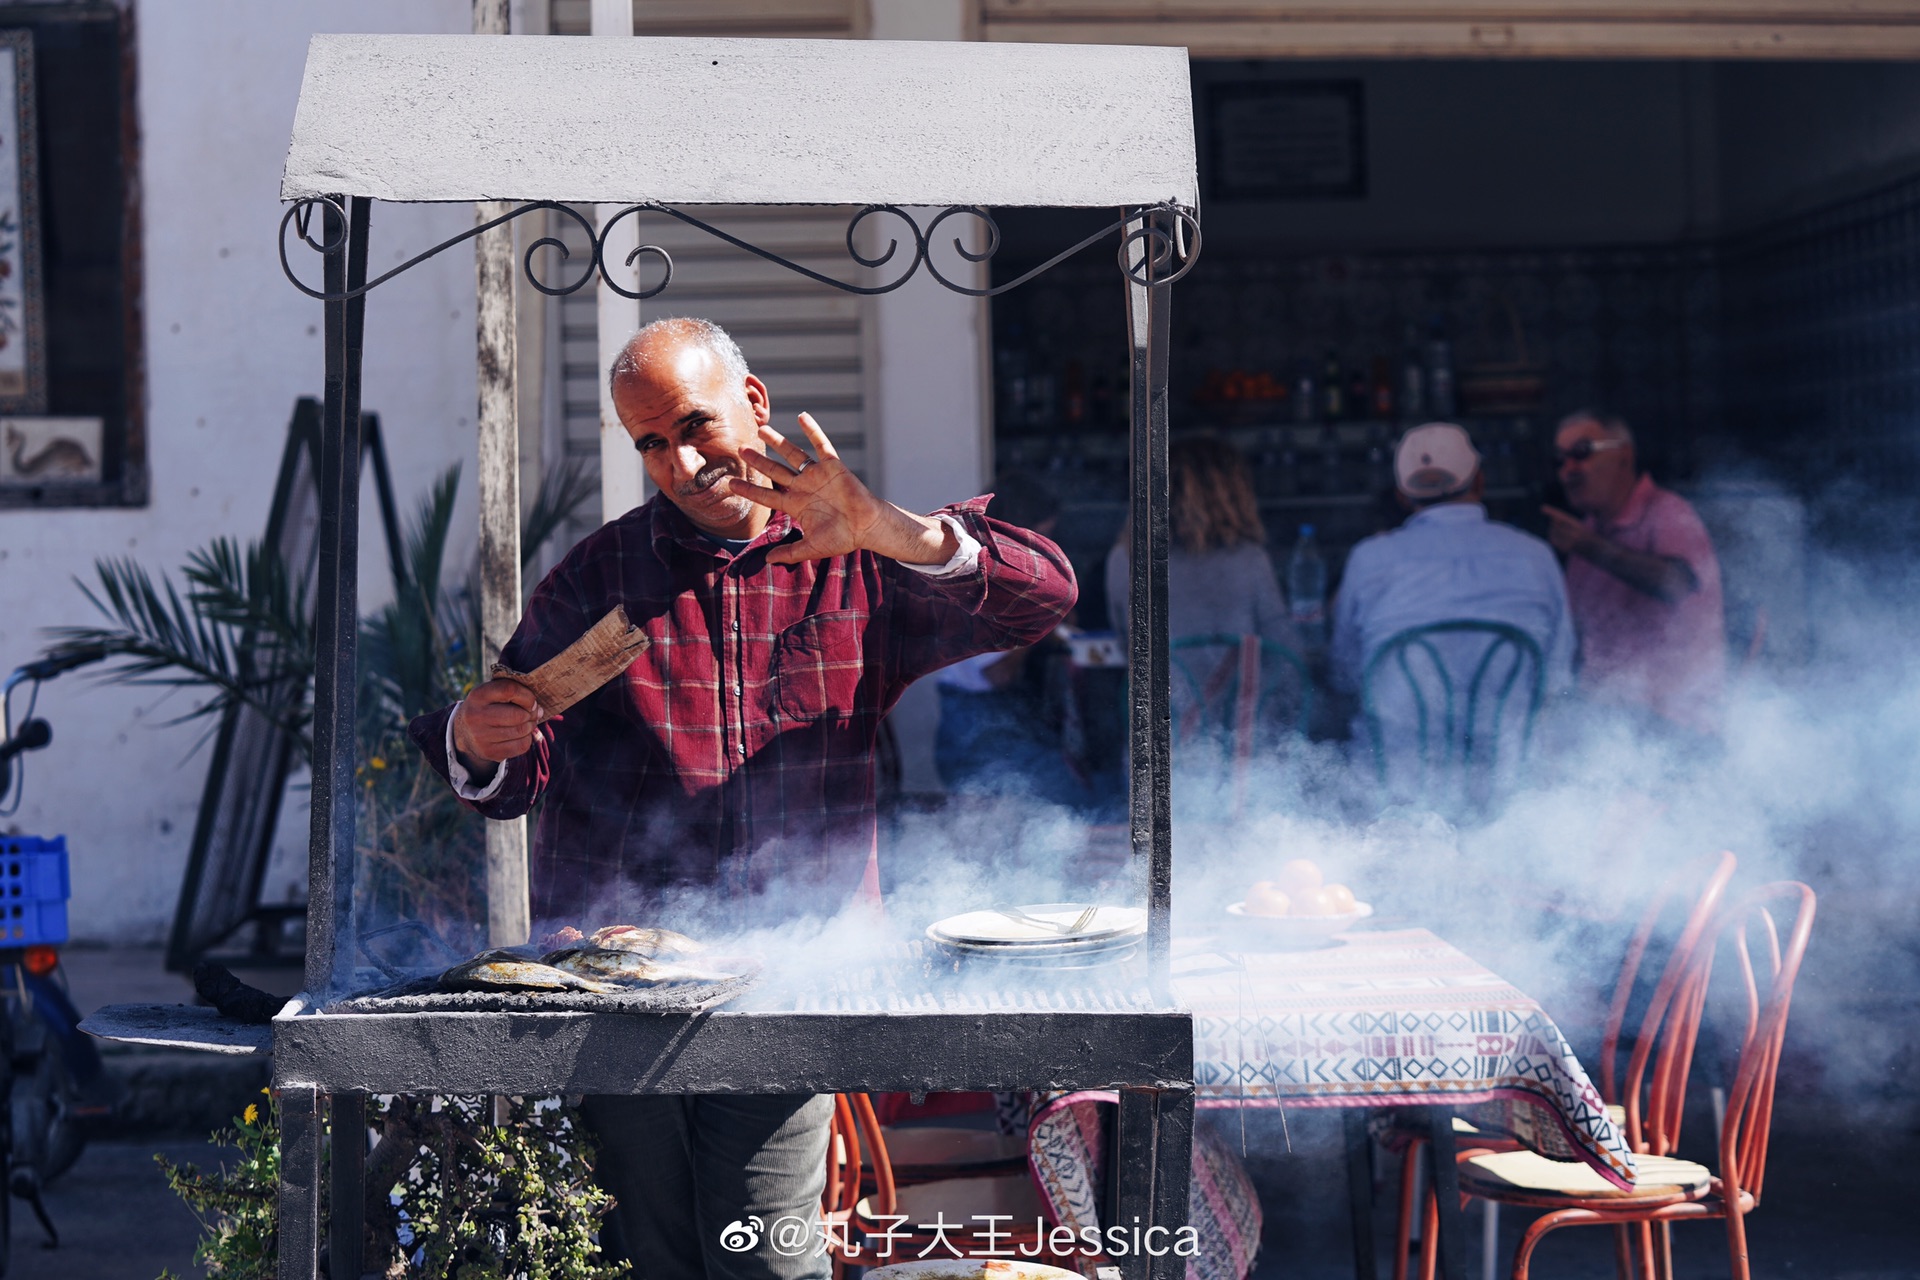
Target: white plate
1296, 931
1038, 924
1039, 951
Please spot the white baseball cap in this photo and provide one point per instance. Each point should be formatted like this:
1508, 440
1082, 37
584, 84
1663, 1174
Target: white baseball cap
1434, 460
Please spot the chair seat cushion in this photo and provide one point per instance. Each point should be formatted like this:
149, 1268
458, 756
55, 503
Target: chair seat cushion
964, 1199
952, 1152
1525, 1174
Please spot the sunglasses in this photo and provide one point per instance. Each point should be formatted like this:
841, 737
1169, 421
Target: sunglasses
1581, 450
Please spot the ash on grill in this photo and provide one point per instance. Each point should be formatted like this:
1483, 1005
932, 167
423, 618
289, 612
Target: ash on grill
621, 968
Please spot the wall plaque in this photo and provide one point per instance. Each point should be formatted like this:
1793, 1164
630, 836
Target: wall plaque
23, 332
43, 453
1286, 140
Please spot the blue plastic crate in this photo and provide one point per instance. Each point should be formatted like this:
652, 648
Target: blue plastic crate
33, 890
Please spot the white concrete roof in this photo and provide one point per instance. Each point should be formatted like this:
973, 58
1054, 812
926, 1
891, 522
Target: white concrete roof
713, 121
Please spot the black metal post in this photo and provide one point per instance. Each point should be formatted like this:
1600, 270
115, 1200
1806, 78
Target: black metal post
1151, 1173
1444, 1176
298, 1240
330, 856
1359, 1143
1148, 724
346, 1184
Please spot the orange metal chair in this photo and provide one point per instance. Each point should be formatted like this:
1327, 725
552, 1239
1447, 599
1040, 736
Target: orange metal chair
855, 1133
1649, 1108
856, 1217
1670, 1190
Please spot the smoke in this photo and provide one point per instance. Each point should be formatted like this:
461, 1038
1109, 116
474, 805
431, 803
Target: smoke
1814, 779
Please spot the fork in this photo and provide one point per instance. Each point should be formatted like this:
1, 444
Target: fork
1066, 931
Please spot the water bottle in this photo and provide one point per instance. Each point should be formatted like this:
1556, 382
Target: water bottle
1307, 589
1440, 398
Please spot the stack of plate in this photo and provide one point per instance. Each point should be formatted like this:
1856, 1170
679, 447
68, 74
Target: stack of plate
1048, 935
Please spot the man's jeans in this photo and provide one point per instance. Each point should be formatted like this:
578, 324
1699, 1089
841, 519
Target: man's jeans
683, 1169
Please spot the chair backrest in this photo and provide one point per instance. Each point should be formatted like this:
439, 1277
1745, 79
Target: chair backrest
1654, 1105
1240, 695
1460, 704
854, 1127
1768, 990
1232, 686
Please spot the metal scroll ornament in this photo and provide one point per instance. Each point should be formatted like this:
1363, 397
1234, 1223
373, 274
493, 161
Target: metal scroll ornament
1158, 245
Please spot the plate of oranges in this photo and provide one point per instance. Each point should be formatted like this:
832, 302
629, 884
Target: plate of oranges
1298, 907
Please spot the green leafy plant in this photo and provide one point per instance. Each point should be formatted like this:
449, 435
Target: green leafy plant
480, 1200
235, 1204
465, 1187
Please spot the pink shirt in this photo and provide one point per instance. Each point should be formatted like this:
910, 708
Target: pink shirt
1639, 651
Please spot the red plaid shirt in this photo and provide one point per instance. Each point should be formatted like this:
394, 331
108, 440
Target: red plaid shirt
737, 752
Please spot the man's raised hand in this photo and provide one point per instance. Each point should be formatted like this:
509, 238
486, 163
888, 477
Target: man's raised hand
834, 511
1568, 533
495, 721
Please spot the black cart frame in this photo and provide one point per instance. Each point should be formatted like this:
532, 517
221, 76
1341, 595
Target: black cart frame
397, 117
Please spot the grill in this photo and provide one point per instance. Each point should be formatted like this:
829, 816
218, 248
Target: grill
952, 127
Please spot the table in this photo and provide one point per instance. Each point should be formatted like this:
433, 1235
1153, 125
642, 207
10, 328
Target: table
1395, 1018
879, 1028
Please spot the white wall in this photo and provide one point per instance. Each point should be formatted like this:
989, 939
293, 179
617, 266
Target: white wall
229, 345
933, 431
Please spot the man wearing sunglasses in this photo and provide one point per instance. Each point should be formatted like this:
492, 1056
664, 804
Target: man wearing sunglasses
1642, 580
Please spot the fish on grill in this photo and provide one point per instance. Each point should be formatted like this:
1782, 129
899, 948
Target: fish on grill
630, 969
510, 971
657, 944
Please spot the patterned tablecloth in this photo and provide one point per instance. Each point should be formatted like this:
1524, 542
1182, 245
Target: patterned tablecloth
1390, 1018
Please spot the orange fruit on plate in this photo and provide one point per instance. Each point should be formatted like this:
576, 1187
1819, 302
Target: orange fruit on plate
1342, 900
1267, 899
1299, 877
1317, 903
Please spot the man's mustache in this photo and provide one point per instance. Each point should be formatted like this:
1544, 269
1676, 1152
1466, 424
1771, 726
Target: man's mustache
707, 477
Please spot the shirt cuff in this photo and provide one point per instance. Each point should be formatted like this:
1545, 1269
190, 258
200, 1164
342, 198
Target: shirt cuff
463, 781
965, 559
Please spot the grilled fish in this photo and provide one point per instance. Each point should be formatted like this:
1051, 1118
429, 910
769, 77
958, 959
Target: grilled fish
628, 968
655, 943
508, 971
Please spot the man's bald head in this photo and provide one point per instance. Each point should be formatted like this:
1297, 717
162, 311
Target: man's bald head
659, 345
681, 390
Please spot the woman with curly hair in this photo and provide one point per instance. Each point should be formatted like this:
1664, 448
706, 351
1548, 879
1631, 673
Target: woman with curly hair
1220, 579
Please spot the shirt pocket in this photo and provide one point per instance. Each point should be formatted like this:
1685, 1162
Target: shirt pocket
817, 665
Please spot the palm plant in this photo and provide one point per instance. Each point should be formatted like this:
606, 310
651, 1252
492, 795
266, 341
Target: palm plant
241, 632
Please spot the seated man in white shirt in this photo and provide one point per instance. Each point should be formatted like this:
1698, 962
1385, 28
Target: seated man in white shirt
1447, 563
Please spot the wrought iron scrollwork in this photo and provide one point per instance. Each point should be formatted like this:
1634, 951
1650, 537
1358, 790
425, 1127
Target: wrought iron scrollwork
1159, 244
300, 217
853, 251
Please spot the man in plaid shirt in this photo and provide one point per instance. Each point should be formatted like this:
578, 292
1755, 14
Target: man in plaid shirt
786, 608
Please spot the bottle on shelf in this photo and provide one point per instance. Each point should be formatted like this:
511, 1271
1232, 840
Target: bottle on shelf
1075, 408
1042, 408
1413, 378
1333, 390
1383, 389
1307, 589
1440, 396
1010, 372
1359, 395
1306, 394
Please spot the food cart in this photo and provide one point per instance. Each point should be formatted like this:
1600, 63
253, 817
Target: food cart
924, 138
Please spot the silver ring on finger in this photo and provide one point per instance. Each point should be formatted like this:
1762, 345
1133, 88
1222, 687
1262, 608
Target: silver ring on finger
804, 464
